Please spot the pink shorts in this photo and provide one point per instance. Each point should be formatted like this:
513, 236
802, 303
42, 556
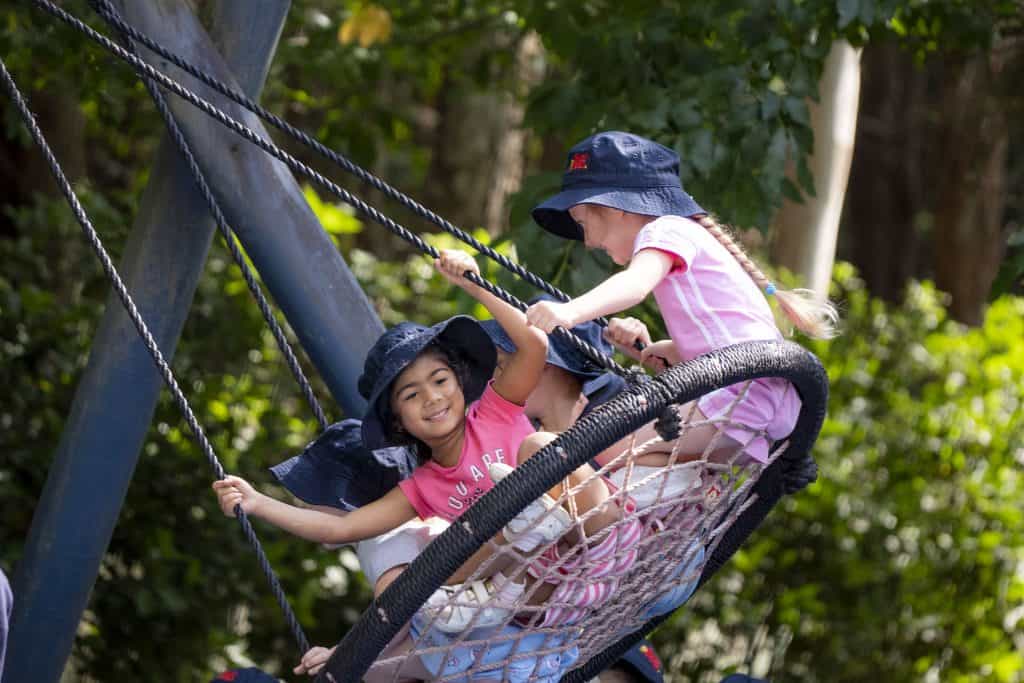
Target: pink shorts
771, 406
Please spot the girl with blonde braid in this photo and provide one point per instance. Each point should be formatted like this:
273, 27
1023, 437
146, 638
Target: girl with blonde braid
621, 193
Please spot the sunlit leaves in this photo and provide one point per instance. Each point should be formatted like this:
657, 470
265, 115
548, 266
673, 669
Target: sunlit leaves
367, 25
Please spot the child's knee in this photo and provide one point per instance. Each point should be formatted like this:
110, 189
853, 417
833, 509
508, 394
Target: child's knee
387, 578
533, 443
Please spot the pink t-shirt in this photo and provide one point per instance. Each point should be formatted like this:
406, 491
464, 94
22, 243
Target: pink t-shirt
494, 430
708, 302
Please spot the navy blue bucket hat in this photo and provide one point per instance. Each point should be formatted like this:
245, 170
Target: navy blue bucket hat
248, 675
338, 471
621, 171
400, 346
643, 661
598, 385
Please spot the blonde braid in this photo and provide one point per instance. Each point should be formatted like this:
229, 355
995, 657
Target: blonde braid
816, 319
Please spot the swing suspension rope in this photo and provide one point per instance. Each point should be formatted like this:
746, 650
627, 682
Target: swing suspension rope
105, 9
230, 239
599, 358
147, 338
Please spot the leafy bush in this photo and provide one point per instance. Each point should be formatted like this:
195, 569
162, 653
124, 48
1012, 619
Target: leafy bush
906, 556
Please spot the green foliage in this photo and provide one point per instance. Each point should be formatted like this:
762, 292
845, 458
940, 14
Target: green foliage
725, 84
905, 556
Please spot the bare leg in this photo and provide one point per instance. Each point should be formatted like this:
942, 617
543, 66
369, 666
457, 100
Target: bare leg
387, 578
692, 442
482, 555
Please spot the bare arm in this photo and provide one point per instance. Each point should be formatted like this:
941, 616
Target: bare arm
623, 290
382, 515
522, 374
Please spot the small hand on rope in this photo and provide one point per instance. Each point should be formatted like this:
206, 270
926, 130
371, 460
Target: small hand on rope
660, 355
629, 335
632, 338
314, 660
453, 264
234, 492
547, 315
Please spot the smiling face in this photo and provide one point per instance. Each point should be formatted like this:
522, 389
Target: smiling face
427, 400
607, 229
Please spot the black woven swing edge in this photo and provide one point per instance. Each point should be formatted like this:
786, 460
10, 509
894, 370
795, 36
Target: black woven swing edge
792, 470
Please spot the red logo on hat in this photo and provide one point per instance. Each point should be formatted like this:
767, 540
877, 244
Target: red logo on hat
228, 676
652, 656
579, 161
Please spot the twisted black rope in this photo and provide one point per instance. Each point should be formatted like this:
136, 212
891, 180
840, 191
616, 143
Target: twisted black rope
108, 12
164, 369
236, 253
600, 359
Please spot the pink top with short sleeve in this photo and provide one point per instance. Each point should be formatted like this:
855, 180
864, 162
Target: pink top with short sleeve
708, 302
495, 428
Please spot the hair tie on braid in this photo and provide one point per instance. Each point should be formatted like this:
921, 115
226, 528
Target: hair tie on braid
815, 318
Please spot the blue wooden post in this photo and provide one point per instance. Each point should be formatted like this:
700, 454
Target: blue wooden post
114, 403
264, 204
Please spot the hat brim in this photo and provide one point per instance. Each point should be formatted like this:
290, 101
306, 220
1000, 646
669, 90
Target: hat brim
336, 470
461, 333
559, 352
498, 335
636, 660
553, 214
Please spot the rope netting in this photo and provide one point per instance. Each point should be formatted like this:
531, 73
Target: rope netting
574, 596
612, 571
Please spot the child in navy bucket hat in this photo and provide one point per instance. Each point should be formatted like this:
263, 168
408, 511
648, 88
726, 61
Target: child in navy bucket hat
567, 372
328, 470
430, 388
621, 193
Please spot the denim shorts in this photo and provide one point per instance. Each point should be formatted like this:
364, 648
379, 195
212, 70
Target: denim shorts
506, 654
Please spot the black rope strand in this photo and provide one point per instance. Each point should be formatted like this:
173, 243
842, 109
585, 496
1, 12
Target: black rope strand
164, 369
236, 253
601, 359
108, 12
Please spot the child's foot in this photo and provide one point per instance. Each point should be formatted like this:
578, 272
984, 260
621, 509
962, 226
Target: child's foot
542, 521
483, 603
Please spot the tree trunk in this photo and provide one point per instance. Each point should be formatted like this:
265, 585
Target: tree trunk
805, 233
928, 186
478, 145
970, 231
891, 179
23, 171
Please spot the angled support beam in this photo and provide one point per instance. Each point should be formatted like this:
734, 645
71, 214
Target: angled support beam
115, 400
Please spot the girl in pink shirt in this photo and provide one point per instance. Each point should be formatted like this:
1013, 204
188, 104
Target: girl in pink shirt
430, 388
621, 194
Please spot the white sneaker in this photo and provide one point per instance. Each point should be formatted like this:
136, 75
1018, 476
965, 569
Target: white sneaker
645, 483
542, 521
493, 599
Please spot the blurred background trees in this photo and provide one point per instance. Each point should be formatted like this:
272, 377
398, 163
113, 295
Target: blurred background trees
906, 558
